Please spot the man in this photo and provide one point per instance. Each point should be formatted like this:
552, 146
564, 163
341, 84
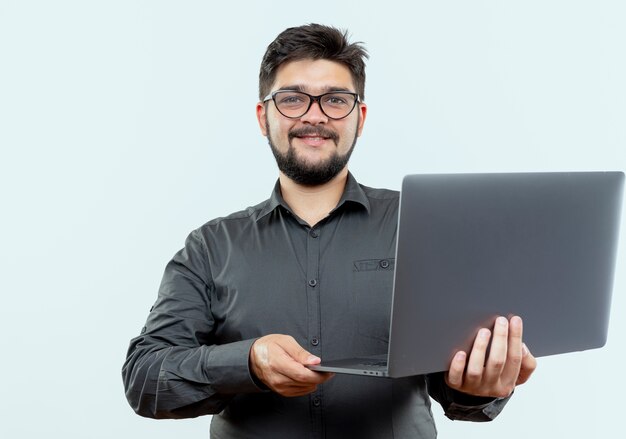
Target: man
255, 297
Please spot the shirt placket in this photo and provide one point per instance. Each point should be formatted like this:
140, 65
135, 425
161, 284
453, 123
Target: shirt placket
313, 324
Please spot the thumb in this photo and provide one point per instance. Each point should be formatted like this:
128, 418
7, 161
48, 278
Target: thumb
305, 357
300, 354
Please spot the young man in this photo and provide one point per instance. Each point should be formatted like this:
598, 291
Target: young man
254, 297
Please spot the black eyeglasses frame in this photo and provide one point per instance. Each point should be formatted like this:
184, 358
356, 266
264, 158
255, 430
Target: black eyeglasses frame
312, 99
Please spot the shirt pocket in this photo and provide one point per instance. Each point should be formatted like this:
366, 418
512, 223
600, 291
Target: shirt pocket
372, 286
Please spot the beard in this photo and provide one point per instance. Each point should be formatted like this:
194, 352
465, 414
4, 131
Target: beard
309, 174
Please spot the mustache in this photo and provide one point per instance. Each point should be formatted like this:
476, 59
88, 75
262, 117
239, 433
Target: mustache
313, 131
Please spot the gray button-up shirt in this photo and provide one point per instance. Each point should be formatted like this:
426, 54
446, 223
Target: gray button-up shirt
265, 271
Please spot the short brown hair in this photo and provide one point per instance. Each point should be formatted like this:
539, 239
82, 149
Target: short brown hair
313, 41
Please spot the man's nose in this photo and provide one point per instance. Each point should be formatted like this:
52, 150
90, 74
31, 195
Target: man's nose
315, 115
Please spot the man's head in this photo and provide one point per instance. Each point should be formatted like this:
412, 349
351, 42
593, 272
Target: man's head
313, 41
312, 139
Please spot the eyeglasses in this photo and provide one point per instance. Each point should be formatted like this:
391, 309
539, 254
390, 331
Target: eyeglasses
295, 104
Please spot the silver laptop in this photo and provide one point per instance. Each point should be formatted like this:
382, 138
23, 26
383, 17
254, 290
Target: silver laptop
472, 247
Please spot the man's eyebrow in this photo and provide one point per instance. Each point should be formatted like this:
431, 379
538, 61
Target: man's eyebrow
291, 88
303, 88
339, 89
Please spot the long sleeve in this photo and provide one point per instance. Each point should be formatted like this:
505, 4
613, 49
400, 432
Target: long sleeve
458, 406
174, 369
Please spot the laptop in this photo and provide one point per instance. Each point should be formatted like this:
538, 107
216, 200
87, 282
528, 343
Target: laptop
471, 247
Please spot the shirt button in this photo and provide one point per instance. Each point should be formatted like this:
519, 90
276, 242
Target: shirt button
317, 401
314, 234
384, 263
315, 341
312, 282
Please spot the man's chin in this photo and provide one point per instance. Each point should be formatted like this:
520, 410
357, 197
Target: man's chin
310, 167
312, 164
308, 175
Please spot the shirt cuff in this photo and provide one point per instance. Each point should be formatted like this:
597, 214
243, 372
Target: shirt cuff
230, 372
474, 408
465, 399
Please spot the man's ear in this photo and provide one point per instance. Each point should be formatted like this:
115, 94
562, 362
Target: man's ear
362, 114
261, 116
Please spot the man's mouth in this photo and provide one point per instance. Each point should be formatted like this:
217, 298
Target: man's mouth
313, 141
316, 138
313, 136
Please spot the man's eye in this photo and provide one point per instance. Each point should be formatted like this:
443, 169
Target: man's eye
291, 100
336, 100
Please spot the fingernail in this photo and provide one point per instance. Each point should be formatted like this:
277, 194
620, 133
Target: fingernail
525, 350
484, 333
502, 321
313, 359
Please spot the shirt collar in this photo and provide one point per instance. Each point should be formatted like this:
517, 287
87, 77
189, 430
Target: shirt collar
275, 200
353, 193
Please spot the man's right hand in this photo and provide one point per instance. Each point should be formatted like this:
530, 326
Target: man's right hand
278, 361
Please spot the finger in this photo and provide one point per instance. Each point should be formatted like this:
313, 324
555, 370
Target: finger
454, 377
293, 370
529, 364
286, 376
297, 373
297, 352
511, 370
296, 391
287, 386
323, 377
283, 382
476, 363
498, 352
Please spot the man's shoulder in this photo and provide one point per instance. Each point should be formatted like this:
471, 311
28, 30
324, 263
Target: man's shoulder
381, 198
236, 219
380, 193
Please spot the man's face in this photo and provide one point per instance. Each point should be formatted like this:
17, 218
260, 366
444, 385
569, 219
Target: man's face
312, 149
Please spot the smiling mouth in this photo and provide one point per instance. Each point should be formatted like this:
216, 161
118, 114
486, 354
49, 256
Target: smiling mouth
316, 138
313, 136
313, 141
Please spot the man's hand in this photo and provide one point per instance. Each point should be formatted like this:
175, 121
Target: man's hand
278, 361
509, 362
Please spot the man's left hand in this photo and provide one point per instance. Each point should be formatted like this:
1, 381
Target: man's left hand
494, 374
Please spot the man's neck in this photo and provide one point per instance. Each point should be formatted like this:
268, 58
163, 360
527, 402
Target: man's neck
313, 203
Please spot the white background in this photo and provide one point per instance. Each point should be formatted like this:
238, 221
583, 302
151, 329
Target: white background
126, 124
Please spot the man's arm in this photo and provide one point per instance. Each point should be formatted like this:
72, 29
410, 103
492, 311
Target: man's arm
174, 369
